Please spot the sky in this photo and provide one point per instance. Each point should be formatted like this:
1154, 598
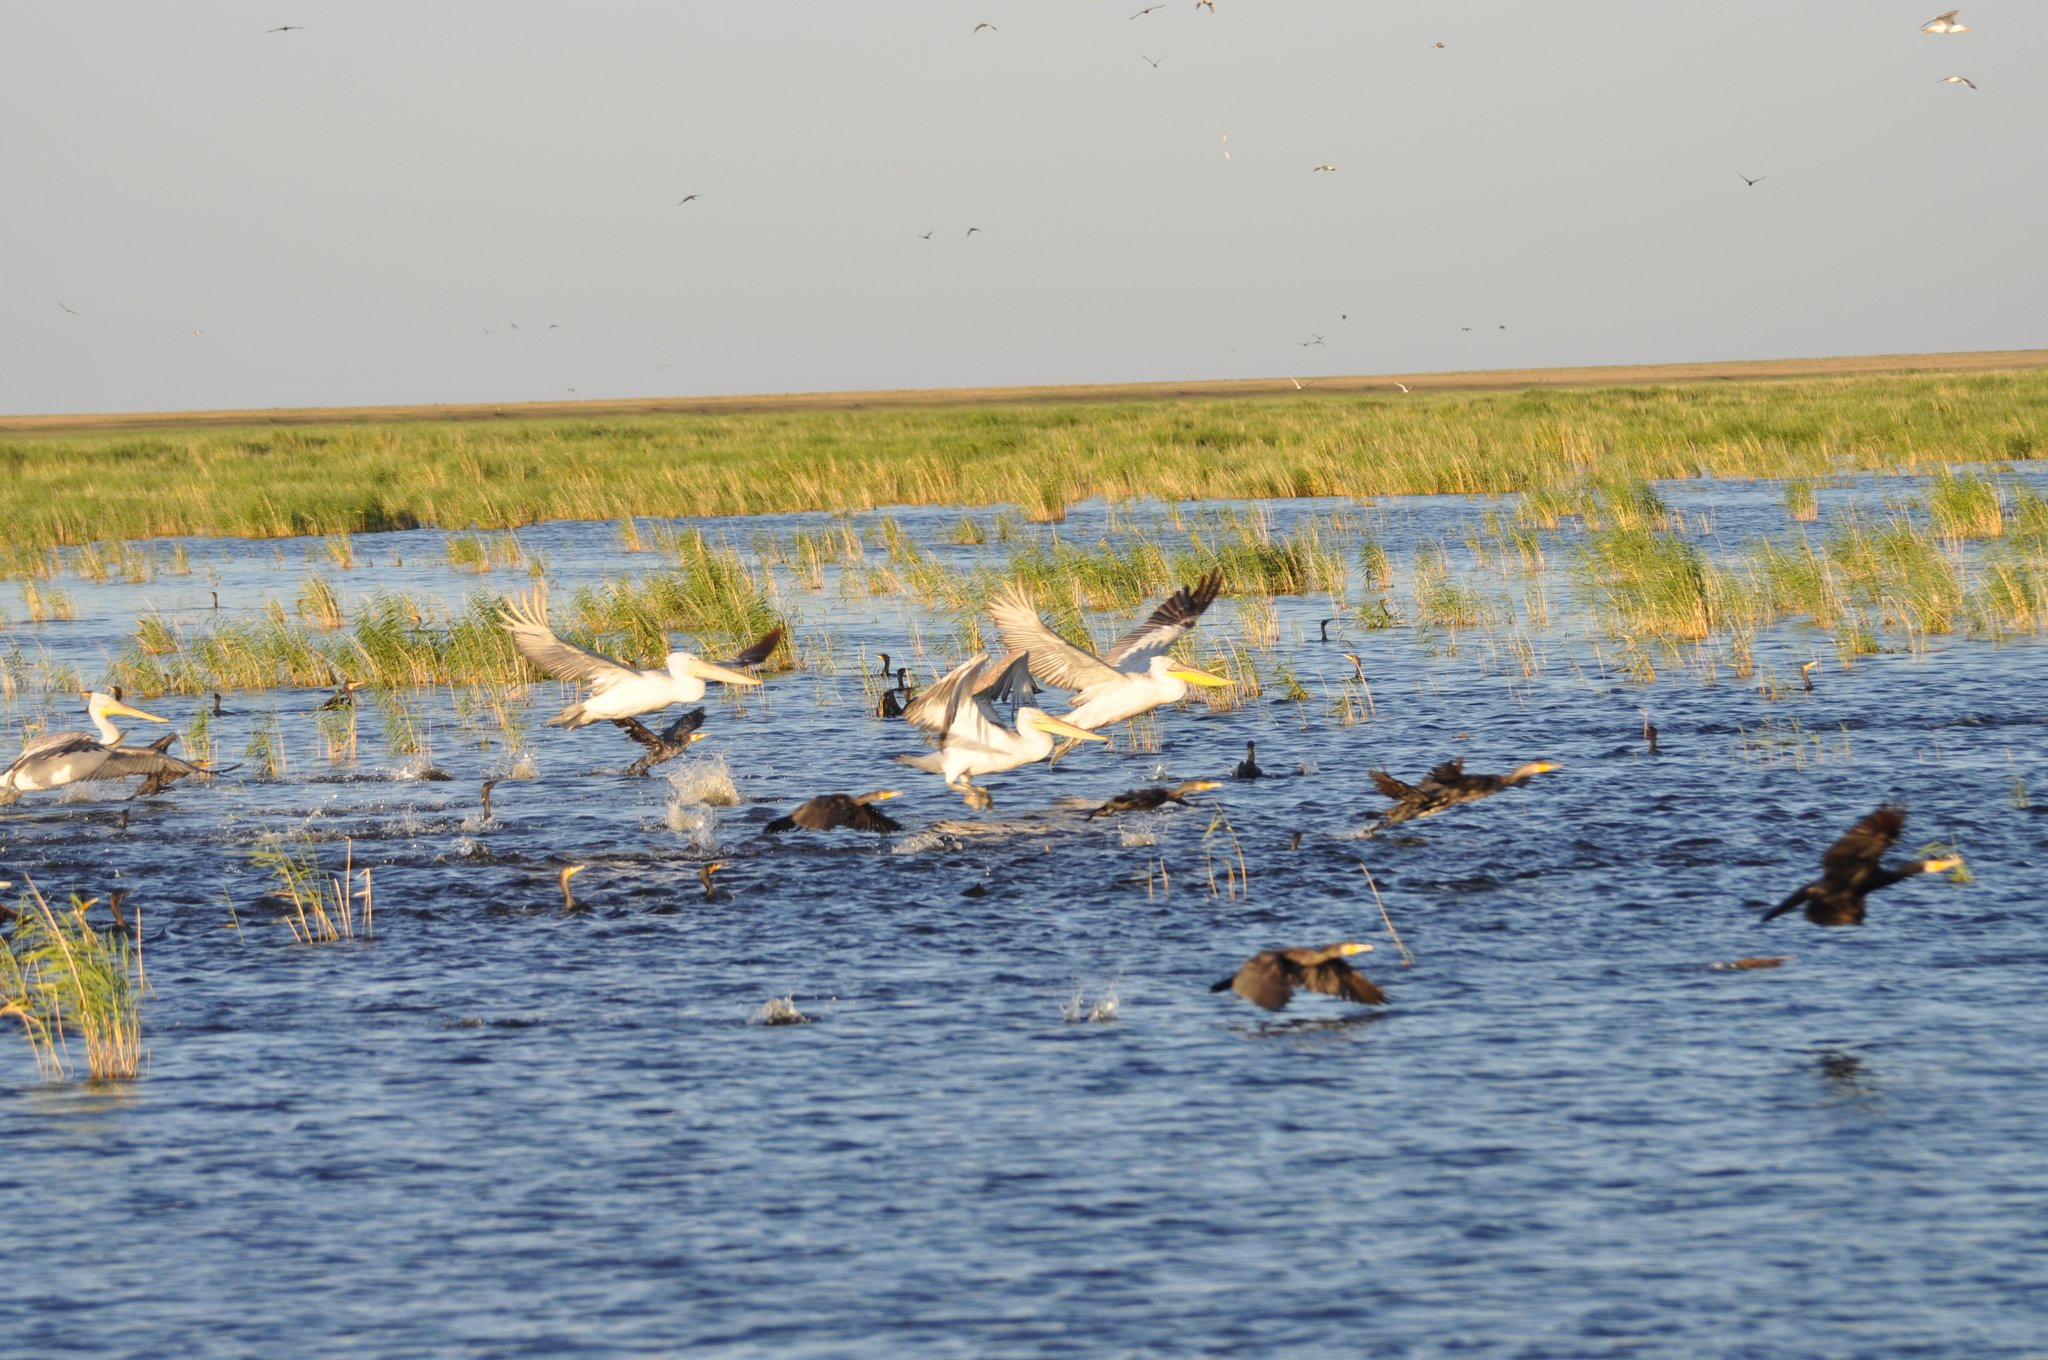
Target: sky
361, 211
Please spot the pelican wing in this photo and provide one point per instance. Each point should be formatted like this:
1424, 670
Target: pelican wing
933, 709
1864, 844
526, 618
1168, 624
52, 744
1054, 660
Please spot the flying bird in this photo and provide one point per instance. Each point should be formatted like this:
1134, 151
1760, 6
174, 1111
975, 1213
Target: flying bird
1209, 5
972, 230
1751, 182
1226, 146
829, 810
666, 744
1853, 868
1320, 168
617, 690
1155, 64
973, 739
286, 28
990, 27
1446, 786
1147, 10
60, 758
686, 198
67, 309
928, 235
1144, 800
1945, 22
1268, 980
1957, 80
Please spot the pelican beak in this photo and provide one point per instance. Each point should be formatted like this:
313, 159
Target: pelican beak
122, 709
1045, 722
707, 670
1189, 675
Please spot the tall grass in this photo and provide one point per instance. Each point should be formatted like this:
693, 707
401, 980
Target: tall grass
60, 976
339, 479
320, 908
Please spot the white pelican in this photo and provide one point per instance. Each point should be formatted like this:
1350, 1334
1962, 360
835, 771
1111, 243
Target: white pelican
972, 738
617, 690
1135, 676
61, 758
1957, 80
1945, 22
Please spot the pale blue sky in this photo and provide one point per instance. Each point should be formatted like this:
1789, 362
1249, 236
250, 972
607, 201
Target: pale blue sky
344, 211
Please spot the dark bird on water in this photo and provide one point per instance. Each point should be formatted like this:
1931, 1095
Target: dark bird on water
1650, 735
704, 873
893, 699
1325, 626
1853, 868
1446, 786
569, 871
1268, 980
1806, 674
218, 712
1248, 768
1144, 800
344, 697
666, 744
829, 810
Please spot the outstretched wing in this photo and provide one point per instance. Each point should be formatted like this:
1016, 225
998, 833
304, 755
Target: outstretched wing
761, 650
1334, 977
1168, 624
868, 817
526, 618
1393, 788
1053, 659
54, 744
1448, 775
933, 709
1864, 844
125, 761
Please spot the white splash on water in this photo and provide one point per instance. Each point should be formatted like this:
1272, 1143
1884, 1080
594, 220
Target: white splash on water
779, 1010
704, 782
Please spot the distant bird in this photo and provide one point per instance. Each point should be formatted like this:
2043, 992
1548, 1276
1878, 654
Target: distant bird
1325, 626
617, 690
1436, 45
990, 27
344, 696
67, 309
1268, 980
1144, 800
1945, 22
829, 810
1155, 64
972, 230
569, 871
1403, 386
218, 711
1357, 666
666, 744
1226, 146
114, 901
1957, 80
1751, 182
1853, 868
928, 235
704, 873
488, 785
1316, 341
1248, 768
285, 28
1147, 10
893, 700
686, 198
1806, 673
1446, 786
1320, 168
1650, 735
1209, 5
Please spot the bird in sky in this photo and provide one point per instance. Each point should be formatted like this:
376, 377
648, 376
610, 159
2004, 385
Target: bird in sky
1155, 64
1945, 22
1316, 341
1439, 44
1320, 168
1209, 5
1957, 80
928, 235
294, 28
1751, 182
686, 198
60, 304
1226, 146
1147, 10
990, 27
972, 230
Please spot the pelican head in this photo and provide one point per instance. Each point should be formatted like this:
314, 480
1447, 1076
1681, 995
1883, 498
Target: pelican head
110, 706
683, 665
1045, 722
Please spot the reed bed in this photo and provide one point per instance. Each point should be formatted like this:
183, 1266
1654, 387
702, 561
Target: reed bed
319, 907
343, 479
61, 976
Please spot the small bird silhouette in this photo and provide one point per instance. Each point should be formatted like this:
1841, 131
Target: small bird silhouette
1945, 22
67, 309
1320, 168
972, 230
1154, 64
1147, 10
990, 27
686, 198
928, 235
287, 28
1957, 80
1209, 5
1751, 182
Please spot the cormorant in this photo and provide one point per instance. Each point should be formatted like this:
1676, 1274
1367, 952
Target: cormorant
1144, 800
569, 871
666, 744
1248, 768
344, 697
1853, 868
1268, 980
891, 703
1806, 674
1446, 786
829, 810
489, 784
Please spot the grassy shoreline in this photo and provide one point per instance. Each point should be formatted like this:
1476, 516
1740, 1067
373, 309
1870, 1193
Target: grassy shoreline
77, 488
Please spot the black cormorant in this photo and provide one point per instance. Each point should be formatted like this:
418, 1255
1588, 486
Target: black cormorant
1269, 979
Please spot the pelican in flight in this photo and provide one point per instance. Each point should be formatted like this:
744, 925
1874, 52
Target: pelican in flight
1945, 22
972, 738
1135, 676
61, 758
617, 690
1957, 80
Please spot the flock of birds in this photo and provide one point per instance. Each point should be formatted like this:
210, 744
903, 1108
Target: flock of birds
963, 713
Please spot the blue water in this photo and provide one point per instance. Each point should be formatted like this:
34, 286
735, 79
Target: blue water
500, 1128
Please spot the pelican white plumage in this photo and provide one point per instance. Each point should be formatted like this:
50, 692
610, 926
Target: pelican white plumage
1945, 22
1957, 80
617, 690
972, 737
60, 758
1135, 676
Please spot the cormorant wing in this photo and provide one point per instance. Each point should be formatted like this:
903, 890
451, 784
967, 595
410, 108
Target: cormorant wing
1334, 977
1788, 904
681, 727
1864, 844
1168, 624
1053, 659
868, 817
526, 618
124, 761
1267, 980
1393, 788
1448, 775
763, 648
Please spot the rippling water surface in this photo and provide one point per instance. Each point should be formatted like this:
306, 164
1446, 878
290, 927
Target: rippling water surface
506, 1129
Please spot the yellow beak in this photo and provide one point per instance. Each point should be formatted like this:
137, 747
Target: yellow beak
117, 707
1940, 866
1045, 722
711, 671
1194, 677
884, 795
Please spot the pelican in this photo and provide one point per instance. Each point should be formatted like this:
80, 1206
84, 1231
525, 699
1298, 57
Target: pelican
1945, 22
1957, 80
617, 690
972, 738
61, 758
1135, 676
